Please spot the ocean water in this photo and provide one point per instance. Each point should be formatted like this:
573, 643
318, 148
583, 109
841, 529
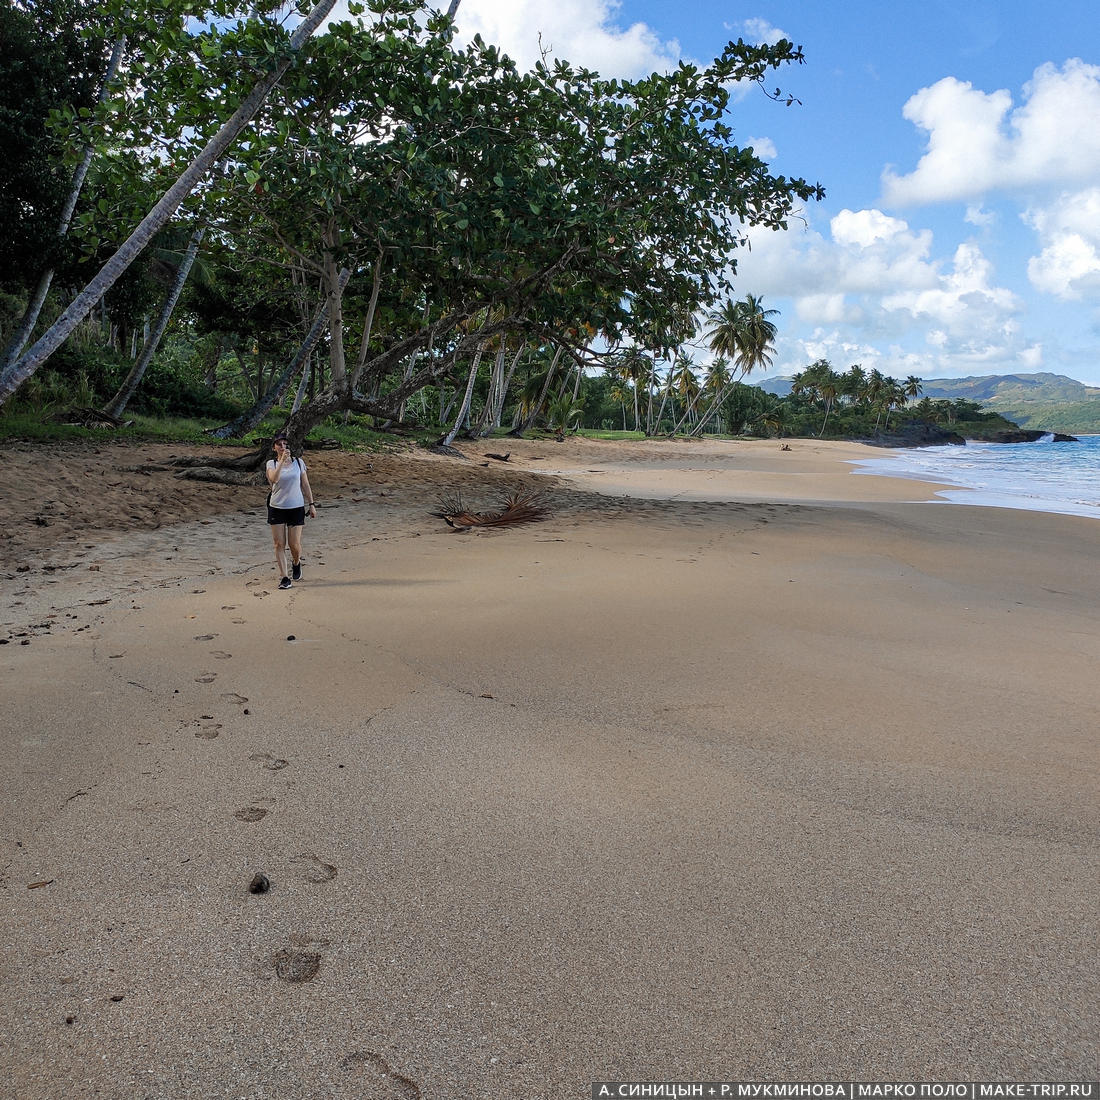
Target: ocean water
1043, 476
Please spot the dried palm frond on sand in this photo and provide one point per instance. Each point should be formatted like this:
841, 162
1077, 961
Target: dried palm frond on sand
518, 508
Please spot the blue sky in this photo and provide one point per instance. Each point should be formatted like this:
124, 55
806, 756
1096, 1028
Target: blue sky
959, 145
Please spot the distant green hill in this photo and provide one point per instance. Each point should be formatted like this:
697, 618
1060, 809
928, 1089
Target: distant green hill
1074, 417
1049, 401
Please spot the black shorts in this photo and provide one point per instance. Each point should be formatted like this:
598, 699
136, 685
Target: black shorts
292, 517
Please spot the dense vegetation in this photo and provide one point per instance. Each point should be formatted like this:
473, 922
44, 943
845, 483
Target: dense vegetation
404, 234
841, 405
402, 228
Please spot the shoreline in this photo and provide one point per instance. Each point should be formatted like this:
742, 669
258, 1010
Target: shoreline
661, 788
1004, 475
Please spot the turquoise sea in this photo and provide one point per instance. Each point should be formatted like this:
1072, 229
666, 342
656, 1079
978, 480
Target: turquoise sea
1043, 476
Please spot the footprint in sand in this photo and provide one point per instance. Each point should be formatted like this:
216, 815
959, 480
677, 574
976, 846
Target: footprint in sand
270, 762
208, 730
315, 870
251, 813
221, 655
298, 961
205, 637
233, 697
384, 1083
206, 678
296, 966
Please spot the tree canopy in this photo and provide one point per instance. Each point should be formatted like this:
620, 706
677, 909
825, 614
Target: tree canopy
431, 199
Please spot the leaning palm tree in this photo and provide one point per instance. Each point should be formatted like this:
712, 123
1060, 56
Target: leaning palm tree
740, 331
895, 396
828, 387
686, 385
636, 368
717, 380
854, 383
756, 342
617, 393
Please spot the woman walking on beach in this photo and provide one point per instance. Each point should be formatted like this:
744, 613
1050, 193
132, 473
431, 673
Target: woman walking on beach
290, 499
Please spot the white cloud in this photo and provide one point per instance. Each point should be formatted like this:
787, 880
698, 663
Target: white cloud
1031, 358
864, 228
1069, 231
977, 143
963, 303
830, 309
762, 147
870, 291
977, 215
761, 32
583, 32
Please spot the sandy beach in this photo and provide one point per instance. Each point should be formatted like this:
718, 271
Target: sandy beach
739, 766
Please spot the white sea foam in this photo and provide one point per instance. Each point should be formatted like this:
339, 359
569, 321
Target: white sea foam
1043, 476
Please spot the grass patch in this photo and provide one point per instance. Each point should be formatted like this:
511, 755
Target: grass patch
40, 426
34, 427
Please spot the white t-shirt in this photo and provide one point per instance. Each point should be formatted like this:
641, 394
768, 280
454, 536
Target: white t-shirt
287, 490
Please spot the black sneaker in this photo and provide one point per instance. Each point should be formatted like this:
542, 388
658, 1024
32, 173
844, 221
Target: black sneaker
296, 570
285, 583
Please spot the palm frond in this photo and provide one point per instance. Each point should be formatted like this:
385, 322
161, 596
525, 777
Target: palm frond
518, 508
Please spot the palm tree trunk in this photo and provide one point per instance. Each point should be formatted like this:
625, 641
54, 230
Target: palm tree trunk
664, 398
498, 412
496, 377
38, 298
537, 407
368, 323
464, 408
410, 367
118, 403
715, 405
12, 378
303, 384
264, 404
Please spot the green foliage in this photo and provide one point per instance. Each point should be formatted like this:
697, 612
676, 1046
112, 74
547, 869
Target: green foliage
471, 202
52, 57
1075, 417
855, 404
745, 409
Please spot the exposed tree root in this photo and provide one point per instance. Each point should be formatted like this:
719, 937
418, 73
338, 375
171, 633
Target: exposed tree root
89, 418
221, 476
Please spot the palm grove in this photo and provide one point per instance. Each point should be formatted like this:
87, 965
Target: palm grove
249, 214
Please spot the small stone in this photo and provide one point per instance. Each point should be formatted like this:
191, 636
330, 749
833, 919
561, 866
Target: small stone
70, 1020
260, 883
290, 638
